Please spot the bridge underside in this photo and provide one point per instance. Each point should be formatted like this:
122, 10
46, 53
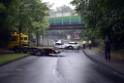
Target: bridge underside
66, 26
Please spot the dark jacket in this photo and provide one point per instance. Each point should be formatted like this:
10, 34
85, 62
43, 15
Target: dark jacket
107, 44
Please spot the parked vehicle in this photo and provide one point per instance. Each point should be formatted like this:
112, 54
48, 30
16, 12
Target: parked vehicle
72, 45
59, 45
20, 43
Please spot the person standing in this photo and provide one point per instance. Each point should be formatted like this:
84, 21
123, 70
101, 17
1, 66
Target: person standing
89, 44
84, 44
107, 49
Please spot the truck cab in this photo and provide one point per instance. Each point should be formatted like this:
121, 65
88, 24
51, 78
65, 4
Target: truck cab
18, 41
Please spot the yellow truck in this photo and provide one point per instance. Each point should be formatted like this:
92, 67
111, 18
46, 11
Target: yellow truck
20, 43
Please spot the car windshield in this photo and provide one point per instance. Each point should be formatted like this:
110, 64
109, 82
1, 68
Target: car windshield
58, 44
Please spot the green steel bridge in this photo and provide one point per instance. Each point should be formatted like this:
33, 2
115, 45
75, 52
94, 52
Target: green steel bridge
66, 22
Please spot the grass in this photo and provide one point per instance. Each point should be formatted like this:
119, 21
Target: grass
11, 57
97, 49
118, 55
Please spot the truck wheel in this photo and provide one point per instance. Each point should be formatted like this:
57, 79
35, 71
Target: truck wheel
25, 51
39, 52
47, 53
16, 50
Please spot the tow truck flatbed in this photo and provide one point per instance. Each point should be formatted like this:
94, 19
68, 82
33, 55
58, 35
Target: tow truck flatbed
42, 50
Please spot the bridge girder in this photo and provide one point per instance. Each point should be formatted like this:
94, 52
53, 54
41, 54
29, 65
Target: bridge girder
66, 26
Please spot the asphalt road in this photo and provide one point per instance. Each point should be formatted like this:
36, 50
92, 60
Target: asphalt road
66, 67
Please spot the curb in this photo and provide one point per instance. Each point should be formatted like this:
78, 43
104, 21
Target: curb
104, 64
91, 58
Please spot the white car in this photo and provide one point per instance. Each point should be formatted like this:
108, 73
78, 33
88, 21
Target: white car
72, 45
59, 45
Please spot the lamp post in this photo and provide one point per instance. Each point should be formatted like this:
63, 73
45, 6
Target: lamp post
70, 17
62, 16
62, 10
54, 17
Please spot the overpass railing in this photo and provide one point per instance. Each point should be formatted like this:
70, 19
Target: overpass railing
65, 20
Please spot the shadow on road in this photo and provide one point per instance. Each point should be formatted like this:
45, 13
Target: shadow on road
50, 55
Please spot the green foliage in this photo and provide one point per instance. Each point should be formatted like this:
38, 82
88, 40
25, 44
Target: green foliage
103, 18
31, 12
4, 28
22, 16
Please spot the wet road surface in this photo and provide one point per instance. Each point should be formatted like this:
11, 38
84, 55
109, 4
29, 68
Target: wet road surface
66, 67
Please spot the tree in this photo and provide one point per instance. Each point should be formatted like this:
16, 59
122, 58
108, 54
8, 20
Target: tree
103, 18
5, 28
22, 16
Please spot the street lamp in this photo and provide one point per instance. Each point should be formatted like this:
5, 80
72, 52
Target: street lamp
54, 17
70, 17
62, 11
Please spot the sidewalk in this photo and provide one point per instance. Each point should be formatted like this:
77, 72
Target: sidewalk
116, 66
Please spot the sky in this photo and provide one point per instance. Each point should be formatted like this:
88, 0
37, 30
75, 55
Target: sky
58, 3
